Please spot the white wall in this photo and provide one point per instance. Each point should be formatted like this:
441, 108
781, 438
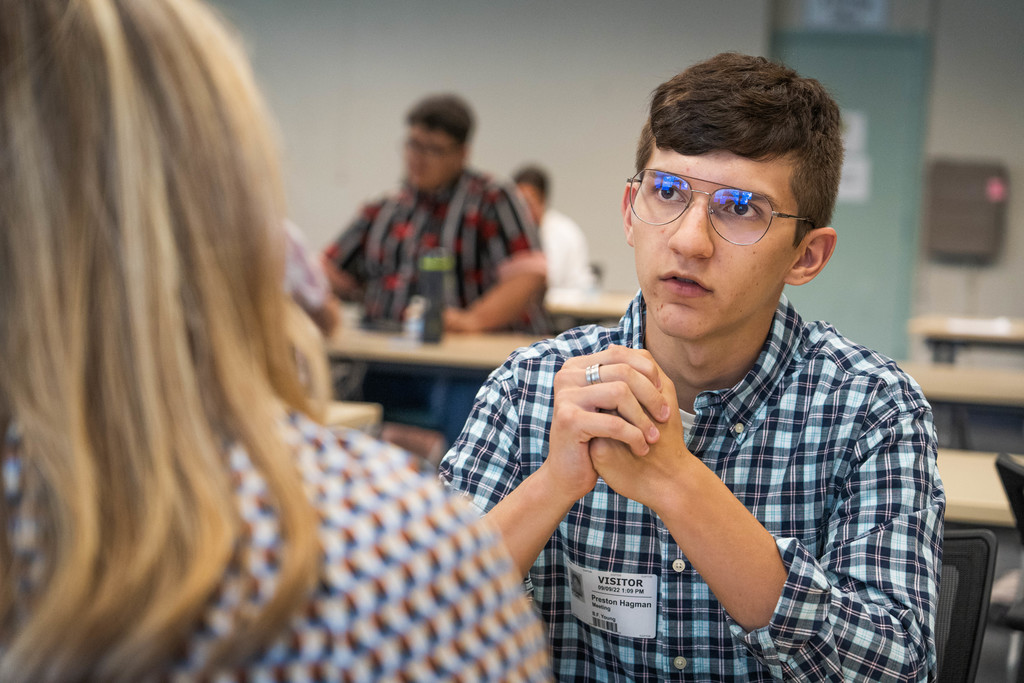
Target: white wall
564, 84
976, 112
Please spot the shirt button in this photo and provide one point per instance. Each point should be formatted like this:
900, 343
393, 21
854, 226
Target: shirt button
737, 428
679, 564
679, 662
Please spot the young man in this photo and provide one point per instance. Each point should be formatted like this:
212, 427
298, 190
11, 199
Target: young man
499, 264
715, 489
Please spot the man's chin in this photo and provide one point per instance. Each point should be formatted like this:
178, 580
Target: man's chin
673, 320
424, 184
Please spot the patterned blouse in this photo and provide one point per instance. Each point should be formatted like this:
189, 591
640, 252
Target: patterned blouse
414, 585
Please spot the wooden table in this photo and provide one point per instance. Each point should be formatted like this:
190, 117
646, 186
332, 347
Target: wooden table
960, 391
944, 334
970, 385
455, 352
430, 386
581, 307
974, 492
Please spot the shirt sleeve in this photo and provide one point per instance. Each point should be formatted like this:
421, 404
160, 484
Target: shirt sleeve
348, 251
484, 463
862, 606
567, 252
509, 228
304, 278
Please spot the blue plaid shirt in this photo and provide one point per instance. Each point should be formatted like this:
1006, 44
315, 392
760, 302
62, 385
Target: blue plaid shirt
832, 448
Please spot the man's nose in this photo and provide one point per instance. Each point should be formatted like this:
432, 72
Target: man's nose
691, 231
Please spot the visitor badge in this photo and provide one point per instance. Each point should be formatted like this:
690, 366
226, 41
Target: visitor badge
615, 602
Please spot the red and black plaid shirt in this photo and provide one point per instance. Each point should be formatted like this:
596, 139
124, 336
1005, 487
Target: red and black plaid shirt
477, 219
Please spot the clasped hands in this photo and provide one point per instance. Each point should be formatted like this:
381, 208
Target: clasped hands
616, 415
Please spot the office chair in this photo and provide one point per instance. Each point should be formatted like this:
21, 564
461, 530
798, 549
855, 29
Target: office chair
965, 587
1011, 473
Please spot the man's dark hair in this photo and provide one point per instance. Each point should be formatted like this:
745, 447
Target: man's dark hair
533, 176
756, 109
447, 113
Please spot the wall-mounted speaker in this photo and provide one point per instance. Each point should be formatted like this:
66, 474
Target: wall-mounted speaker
965, 210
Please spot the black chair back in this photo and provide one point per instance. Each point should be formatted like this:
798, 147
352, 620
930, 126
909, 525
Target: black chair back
1011, 473
965, 588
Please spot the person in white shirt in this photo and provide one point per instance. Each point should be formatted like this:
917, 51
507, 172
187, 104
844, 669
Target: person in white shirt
562, 240
306, 282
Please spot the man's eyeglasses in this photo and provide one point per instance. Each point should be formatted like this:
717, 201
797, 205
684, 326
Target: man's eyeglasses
425, 149
738, 216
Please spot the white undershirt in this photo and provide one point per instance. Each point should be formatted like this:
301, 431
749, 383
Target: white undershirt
688, 420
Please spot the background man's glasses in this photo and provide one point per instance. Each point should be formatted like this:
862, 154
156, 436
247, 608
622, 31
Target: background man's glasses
738, 216
425, 149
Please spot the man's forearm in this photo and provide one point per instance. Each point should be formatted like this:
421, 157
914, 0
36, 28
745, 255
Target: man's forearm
344, 286
528, 517
735, 554
502, 304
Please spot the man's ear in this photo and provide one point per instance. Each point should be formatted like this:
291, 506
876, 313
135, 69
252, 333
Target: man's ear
813, 253
627, 215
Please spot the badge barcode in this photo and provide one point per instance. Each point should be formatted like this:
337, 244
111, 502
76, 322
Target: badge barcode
606, 625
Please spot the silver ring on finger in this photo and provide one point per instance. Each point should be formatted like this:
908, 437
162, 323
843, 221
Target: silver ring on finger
594, 373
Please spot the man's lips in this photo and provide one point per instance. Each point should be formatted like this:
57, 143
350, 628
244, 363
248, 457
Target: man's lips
685, 285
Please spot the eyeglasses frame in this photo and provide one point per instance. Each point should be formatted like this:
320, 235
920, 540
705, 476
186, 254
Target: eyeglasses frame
429, 151
688, 179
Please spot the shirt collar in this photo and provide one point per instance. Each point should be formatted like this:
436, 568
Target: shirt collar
631, 326
441, 195
739, 402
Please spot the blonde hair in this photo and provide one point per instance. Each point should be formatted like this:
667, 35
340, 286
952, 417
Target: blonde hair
141, 332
